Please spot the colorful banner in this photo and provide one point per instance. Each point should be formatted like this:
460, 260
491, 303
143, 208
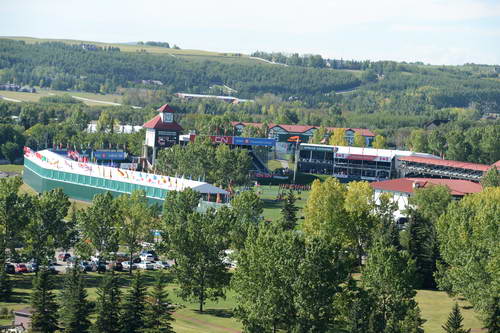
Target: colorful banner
263, 142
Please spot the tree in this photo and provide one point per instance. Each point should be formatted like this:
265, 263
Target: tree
418, 141
491, 178
388, 276
43, 302
198, 246
467, 234
158, 317
431, 201
46, 226
379, 142
99, 222
359, 140
134, 306
74, 309
338, 138
320, 135
385, 225
492, 318
293, 293
11, 151
423, 248
289, 212
246, 210
137, 221
454, 322
108, 305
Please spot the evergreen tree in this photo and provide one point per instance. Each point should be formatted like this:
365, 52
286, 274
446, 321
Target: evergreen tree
134, 306
108, 305
289, 212
75, 309
454, 322
158, 317
422, 246
492, 319
43, 302
5, 284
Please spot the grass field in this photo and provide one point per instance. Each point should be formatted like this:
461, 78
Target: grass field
218, 316
11, 168
185, 54
35, 97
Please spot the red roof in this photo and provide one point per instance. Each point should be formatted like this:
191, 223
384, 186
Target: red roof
447, 163
303, 128
165, 108
157, 124
457, 187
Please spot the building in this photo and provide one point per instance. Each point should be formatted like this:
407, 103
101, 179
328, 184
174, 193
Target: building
229, 99
125, 129
352, 163
282, 132
162, 131
403, 188
46, 170
420, 166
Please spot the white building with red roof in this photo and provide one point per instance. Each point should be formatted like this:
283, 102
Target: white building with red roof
403, 188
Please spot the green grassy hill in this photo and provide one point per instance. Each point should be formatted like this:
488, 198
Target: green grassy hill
198, 55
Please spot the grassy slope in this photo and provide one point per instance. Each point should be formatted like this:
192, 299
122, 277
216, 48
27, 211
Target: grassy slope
35, 97
189, 54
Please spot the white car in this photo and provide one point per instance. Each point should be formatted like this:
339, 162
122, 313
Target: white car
126, 265
147, 257
160, 265
145, 265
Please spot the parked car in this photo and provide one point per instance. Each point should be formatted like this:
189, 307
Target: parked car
63, 256
160, 265
126, 265
10, 269
116, 266
32, 266
20, 268
145, 265
85, 266
147, 257
151, 252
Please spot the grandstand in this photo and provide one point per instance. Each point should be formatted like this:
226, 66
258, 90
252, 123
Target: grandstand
352, 163
46, 170
416, 166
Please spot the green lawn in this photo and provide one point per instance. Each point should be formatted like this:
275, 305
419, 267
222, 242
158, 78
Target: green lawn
272, 207
185, 54
218, 316
17, 168
35, 97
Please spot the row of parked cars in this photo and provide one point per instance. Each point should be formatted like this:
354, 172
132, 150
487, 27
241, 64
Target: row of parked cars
146, 260
29, 267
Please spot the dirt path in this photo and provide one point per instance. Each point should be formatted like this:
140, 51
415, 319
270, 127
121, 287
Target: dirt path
206, 323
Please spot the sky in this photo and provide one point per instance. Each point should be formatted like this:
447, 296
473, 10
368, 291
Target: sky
432, 31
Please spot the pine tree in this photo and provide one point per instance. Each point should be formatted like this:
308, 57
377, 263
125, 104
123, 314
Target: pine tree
75, 309
158, 317
43, 302
134, 306
289, 212
5, 284
454, 322
108, 305
492, 320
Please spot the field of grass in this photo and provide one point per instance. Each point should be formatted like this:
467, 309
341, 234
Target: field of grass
35, 97
11, 168
272, 207
218, 316
185, 54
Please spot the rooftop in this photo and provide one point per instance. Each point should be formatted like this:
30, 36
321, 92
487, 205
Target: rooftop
158, 124
408, 185
304, 128
446, 163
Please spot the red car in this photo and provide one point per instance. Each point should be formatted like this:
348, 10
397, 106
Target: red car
21, 268
64, 256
